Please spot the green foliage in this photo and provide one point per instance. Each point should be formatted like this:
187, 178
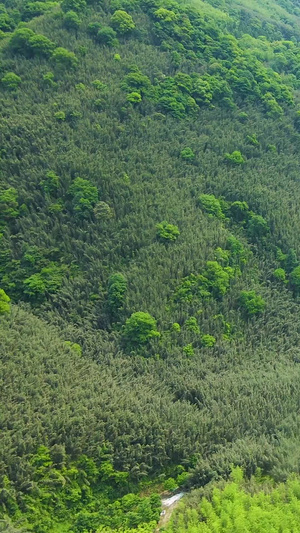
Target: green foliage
272, 107
122, 22
211, 205
64, 58
26, 42
252, 139
295, 279
134, 98
280, 274
9, 208
71, 20
167, 232
188, 350
35, 9
117, 287
74, 347
135, 81
45, 282
20, 41
50, 183
7, 23
4, 302
139, 328
191, 324
60, 116
187, 154
208, 340
106, 35
257, 227
11, 81
239, 211
241, 506
84, 197
251, 303
214, 281
235, 158
170, 484
102, 211
204, 76
73, 5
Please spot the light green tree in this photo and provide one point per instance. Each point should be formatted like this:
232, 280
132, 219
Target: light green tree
139, 328
122, 22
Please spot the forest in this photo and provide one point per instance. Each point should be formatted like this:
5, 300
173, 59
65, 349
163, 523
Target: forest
149, 265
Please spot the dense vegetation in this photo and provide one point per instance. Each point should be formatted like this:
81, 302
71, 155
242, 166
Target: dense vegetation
149, 259
239, 506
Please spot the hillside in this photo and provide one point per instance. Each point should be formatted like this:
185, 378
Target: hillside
149, 191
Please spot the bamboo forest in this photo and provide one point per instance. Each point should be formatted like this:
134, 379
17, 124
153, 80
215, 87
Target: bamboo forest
150, 266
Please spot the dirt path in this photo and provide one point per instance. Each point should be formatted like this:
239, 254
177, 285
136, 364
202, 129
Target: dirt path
168, 506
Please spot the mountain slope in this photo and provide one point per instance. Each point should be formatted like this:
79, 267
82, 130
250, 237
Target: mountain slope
148, 211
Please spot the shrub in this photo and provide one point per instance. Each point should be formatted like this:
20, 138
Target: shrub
11, 81
6, 22
35, 9
76, 348
239, 211
51, 182
295, 279
167, 232
208, 340
191, 324
134, 98
279, 274
64, 58
252, 139
235, 158
94, 27
211, 205
137, 82
71, 20
108, 36
238, 254
188, 350
99, 85
122, 22
252, 303
9, 207
19, 42
117, 287
139, 328
48, 79
257, 227
73, 5
243, 117
60, 116
4, 302
187, 154
170, 484
41, 45
85, 196
103, 211
273, 109
47, 281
